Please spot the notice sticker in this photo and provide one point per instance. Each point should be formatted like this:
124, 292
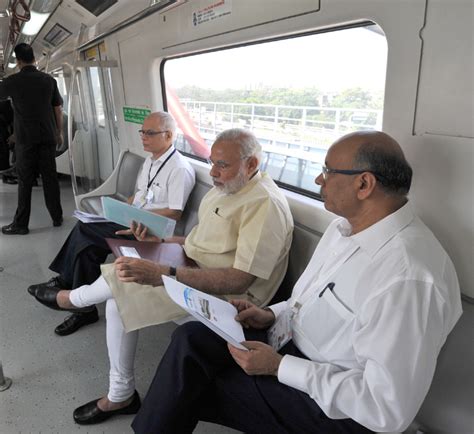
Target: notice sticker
216, 9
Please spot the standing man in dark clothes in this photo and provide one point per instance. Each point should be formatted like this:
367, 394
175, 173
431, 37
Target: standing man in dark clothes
37, 106
6, 121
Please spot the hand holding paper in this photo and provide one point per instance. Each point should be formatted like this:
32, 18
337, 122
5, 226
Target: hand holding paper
217, 314
124, 214
252, 316
262, 359
139, 231
140, 271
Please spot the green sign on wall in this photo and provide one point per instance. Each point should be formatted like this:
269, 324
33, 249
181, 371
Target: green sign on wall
135, 115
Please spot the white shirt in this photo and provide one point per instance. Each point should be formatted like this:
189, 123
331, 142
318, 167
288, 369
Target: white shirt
374, 339
170, 188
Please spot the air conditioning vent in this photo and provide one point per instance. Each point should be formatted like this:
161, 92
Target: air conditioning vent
57, 35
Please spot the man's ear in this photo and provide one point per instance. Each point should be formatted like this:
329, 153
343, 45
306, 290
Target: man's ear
252, 165
366, 186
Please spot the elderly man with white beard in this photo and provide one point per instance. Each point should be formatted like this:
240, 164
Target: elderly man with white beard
240, 244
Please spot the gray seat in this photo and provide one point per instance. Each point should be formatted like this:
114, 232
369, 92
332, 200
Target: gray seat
449, 405
126, 178
189, 218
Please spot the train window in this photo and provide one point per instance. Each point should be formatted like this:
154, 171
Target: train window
297, 95
97, 94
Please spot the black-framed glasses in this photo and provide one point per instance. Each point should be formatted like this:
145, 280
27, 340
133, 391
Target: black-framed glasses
150, 133
222, 165
326, 171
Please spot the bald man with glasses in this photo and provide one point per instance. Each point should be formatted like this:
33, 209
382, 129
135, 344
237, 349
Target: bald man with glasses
163, 186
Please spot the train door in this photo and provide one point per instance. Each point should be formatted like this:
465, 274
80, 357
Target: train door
95, 146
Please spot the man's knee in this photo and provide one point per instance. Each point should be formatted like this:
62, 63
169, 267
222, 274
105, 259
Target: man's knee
195, 338
189, 331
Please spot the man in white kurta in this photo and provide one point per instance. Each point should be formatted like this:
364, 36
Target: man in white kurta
240, 244
368, 318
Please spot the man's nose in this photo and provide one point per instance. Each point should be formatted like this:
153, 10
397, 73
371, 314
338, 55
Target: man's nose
214, 172
319, 179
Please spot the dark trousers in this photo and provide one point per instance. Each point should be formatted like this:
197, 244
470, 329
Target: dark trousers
78, 261
4, 154
197, 379
30, 159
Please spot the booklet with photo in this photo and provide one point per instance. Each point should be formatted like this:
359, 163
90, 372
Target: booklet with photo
218, 315
123, 214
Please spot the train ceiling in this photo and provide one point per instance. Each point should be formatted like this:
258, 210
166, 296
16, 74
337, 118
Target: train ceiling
61, 23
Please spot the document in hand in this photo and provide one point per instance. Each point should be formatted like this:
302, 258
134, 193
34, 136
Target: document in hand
161, 253
86, 217
218, 315
123, 214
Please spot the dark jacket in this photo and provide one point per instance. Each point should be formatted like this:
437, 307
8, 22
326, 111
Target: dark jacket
34, 94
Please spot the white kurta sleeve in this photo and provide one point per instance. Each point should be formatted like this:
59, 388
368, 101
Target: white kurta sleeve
396, 340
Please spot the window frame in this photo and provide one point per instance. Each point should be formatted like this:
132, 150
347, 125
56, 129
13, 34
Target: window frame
283, 185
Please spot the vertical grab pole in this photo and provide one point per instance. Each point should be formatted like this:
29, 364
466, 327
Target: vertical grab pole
5, 383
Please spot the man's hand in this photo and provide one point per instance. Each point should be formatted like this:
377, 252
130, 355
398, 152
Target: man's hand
262, 359
252, 316
140, 271
139, 231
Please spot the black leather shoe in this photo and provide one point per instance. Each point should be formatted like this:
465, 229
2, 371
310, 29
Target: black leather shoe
47, 297
89, 413
10, 180
54, 282
58, 222
13, 229
75, 321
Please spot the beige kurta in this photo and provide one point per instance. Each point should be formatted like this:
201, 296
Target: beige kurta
250, 230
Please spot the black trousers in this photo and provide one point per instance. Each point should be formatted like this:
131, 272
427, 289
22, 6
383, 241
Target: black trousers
78, 262
197, 379
31, 159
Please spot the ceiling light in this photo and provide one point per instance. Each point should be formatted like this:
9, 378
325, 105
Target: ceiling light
36, 22
12, 65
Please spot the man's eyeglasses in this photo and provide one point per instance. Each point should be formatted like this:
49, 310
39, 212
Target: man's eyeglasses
221, 165
150, 133
326, 171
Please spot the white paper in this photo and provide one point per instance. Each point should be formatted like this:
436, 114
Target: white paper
130, 252
218, 315
86, 217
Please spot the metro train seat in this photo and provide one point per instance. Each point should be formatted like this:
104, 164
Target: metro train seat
120, 184
448, 407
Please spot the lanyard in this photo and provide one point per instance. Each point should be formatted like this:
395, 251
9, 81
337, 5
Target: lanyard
158, 171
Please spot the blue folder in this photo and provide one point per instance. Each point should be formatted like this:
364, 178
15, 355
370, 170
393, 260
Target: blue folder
123, 214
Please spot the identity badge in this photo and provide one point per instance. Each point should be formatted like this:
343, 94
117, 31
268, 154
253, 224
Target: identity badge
149, 196
279, 334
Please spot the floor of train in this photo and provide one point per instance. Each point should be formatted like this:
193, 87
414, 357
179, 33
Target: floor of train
52, 375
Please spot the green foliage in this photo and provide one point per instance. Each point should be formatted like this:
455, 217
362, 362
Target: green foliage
306, 97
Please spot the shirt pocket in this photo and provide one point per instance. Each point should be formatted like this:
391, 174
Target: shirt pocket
328, 323
217, 235
160, 195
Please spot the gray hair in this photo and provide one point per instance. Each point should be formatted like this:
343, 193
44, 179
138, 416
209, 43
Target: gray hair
392, 170
167, 122
249, 145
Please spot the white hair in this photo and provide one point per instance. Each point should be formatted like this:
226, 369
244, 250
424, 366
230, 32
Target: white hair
167, 122
249, 146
